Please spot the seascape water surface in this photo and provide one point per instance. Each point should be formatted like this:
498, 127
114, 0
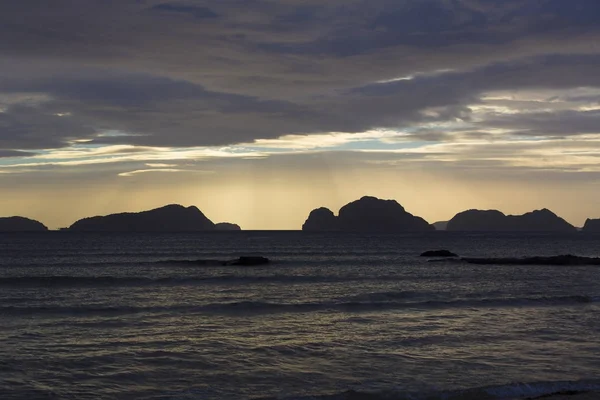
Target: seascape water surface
114, 316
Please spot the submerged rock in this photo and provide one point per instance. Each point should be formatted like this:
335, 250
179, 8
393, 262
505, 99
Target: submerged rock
438, 253
249, 261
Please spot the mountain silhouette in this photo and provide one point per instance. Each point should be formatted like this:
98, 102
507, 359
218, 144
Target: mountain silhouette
226, 226
369, 214
494, 221
20, 224
171, 218
591, 225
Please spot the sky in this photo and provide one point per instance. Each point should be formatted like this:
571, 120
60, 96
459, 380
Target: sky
258, 111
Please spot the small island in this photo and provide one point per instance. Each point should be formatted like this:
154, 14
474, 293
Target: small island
591, 226
495, 221
170, 218
21, 224
368, 214
226, 226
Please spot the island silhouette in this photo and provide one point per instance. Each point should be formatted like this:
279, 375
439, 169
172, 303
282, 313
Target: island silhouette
170, 218
495, 221
21, 224
367, 214
226, 226
591, 225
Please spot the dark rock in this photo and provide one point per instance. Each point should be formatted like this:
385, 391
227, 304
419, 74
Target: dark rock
226, 226
566, 259
21, 224
249, 261
557, 394
321, 219
171, 218
440, 225
369, 214
591, 225
494, 221
438, 253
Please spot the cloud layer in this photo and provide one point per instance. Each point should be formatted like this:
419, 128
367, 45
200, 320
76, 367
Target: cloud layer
129, 87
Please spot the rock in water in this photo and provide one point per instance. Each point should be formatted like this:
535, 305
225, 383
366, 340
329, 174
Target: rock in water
249, 261
438, 253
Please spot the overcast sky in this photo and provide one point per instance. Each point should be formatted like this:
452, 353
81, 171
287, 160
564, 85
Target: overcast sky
258, 111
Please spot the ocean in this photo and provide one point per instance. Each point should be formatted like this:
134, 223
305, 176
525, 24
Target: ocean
335, 316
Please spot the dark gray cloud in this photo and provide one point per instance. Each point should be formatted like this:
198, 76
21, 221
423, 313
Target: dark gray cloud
189, 73
12, 153
558, 123
30, 127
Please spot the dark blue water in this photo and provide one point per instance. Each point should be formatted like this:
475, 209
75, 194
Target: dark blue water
101, 316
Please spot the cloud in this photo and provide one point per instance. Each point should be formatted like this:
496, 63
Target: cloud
195, 11
193, 80
13, 153
39, 127
143, 171
557, 123
158, 111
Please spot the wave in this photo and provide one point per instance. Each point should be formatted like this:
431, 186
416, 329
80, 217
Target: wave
262, 307
511, 391
99, 281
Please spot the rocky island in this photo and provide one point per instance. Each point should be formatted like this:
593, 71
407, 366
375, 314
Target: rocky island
591, 225
21, 224
171, 218
495, 221
369, 214
226, 226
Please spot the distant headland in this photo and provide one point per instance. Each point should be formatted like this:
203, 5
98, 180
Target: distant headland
367, 214
21, 224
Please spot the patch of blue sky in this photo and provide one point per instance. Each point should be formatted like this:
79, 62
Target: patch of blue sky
380, 145
259, 149
8, 161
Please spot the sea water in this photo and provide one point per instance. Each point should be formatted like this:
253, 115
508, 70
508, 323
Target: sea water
127, 316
